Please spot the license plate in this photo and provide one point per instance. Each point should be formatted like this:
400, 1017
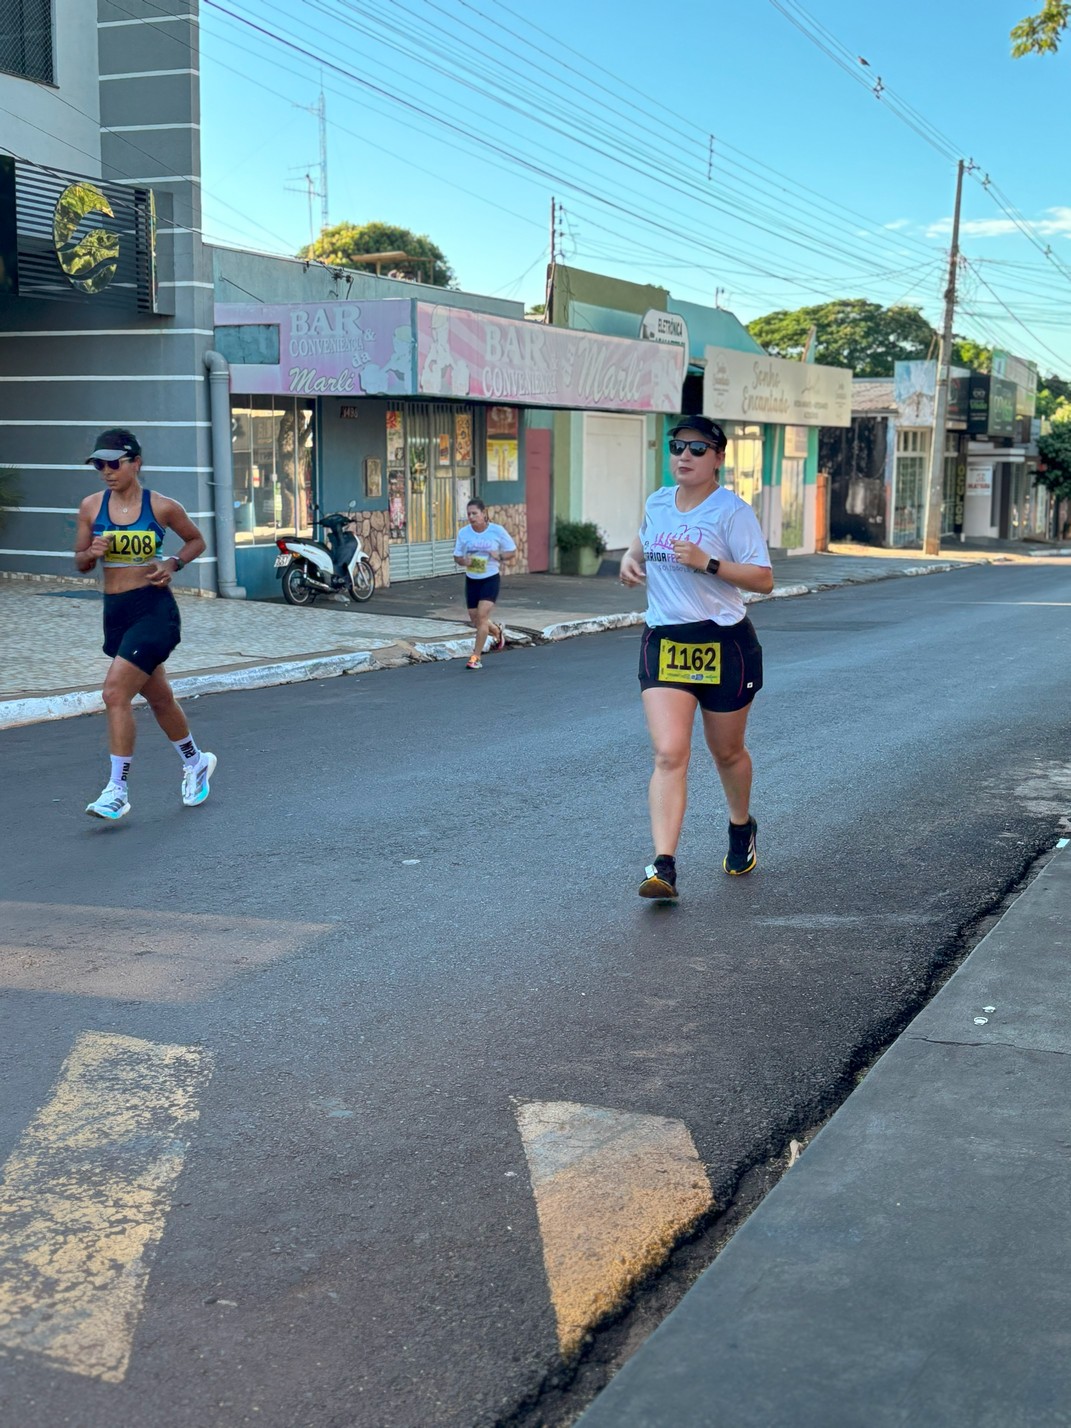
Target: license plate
689, 664
282, 560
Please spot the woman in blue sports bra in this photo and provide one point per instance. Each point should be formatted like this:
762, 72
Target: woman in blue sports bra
124, 529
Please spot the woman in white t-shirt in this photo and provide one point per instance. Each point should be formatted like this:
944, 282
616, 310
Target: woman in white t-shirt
698, 548
482, 547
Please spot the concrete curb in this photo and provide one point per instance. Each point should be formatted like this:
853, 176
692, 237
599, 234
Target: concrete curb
16, 712
40, 709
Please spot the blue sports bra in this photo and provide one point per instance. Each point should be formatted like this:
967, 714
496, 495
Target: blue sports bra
136, 544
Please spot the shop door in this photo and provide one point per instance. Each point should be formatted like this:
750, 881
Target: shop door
614, 461
423, 533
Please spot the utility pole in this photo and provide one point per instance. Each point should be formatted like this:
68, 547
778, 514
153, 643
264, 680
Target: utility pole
320, 188
936, 477
553, 260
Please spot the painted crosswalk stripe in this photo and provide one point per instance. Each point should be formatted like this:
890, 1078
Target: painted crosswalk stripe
614, 1193
84, 1199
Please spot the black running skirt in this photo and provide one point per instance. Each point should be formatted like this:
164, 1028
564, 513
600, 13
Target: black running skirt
719, 665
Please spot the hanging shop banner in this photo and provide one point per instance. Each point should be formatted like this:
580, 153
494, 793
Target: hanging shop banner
497, 359
319, 349
746, 386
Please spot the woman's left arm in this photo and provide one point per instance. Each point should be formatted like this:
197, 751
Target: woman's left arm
173, 517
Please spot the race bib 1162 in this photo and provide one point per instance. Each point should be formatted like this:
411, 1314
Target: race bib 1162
689, 664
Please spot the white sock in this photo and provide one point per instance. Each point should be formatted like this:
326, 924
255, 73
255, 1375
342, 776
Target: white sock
187, 751
120, 768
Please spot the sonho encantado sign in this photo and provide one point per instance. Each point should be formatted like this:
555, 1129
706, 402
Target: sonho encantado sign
750, 386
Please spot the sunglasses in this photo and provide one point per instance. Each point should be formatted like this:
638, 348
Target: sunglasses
110, 465
678, 448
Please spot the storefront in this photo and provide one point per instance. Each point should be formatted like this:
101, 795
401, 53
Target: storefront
407, 409
771, 410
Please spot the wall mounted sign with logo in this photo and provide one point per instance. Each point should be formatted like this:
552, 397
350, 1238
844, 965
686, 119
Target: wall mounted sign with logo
1025, 377
497, 359
978, 404
1001, 407
744, 386
68, 238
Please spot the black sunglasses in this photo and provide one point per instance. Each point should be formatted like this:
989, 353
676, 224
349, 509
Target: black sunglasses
678, 448
110, 465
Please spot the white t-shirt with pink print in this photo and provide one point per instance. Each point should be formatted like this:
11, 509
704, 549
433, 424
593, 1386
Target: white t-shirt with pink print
725, 527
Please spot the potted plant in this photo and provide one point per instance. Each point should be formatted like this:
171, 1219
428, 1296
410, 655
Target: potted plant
581, 546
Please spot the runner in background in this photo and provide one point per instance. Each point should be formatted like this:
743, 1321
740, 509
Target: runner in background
482, 548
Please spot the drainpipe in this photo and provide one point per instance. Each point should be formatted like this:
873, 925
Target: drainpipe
219, 407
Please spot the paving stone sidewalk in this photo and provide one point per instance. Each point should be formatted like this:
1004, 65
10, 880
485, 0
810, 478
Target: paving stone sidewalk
51, 664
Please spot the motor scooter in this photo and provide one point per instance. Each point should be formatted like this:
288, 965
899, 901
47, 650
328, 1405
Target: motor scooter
309, 568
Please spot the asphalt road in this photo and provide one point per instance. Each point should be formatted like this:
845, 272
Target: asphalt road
410, 904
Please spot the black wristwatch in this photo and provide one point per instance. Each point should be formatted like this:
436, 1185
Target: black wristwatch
179, 564
713, 566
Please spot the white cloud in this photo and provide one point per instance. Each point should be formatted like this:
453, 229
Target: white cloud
898, 223
1056, 223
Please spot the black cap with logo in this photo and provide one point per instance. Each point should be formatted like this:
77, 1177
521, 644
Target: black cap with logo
113, 444
702, 424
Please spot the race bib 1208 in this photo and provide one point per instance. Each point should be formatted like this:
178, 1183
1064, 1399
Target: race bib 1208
130, 547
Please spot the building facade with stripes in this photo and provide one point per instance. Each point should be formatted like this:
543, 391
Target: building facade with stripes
105, 290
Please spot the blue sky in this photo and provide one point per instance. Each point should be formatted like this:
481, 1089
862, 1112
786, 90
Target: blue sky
720, 153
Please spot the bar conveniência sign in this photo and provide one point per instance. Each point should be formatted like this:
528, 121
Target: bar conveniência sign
498, 359
748, 386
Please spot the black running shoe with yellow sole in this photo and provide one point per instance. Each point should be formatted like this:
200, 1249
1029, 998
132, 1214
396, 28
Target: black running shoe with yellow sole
741, 857
660, 881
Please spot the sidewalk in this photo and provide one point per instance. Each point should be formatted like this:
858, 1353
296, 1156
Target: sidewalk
51, 665
914, 1267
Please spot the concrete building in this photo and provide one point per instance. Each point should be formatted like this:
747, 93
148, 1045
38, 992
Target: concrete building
106, 300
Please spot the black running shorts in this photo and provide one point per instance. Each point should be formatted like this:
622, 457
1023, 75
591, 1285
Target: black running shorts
719, 665
486, 588
142, 626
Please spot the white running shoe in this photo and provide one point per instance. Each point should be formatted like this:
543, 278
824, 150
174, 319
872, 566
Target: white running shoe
195, 787
112, 803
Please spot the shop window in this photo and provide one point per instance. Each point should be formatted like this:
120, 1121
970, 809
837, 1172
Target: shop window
274, 460
26, 39
502, 458
742, 468
912, 459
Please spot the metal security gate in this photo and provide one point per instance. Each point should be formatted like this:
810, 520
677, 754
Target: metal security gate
430, 460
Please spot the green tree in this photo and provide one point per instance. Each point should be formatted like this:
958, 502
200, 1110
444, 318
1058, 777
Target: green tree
536, 309
1054, 399
850, 332
1054, 465
966, 353
1041, 34
339, 245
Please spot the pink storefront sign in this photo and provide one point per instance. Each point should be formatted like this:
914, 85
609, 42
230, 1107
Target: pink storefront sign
496, 359
346, 349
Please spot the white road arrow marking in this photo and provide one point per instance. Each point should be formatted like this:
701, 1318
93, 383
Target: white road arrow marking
84, 1198
614, 1192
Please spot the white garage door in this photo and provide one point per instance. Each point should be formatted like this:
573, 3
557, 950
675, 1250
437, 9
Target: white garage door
614, 461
